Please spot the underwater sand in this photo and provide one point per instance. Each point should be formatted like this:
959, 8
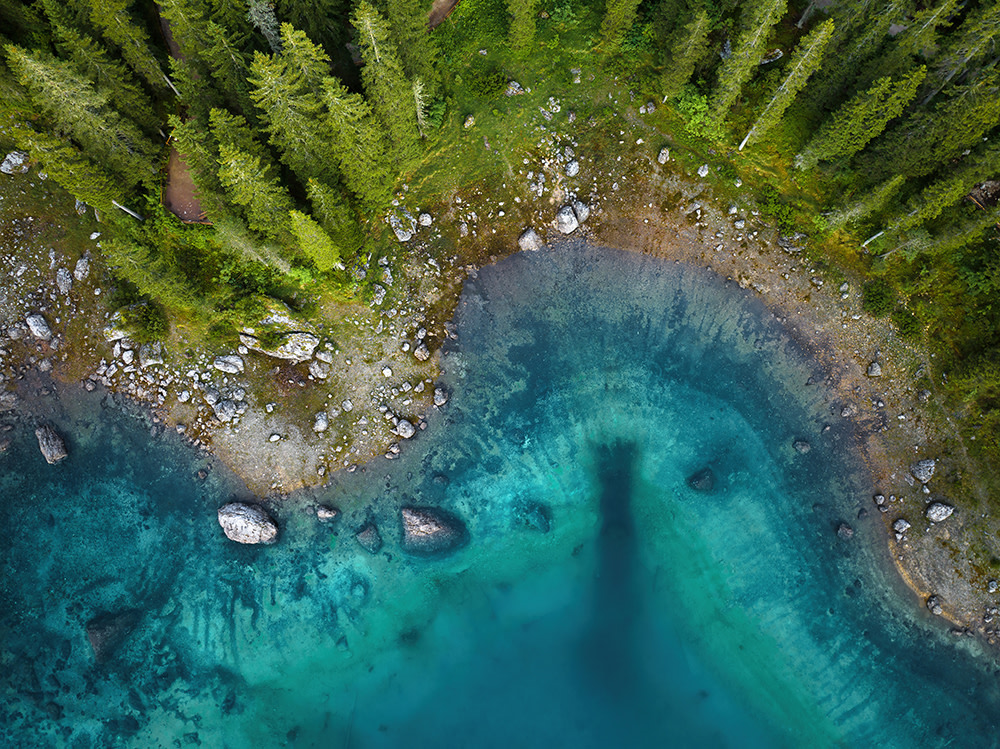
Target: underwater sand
601, 601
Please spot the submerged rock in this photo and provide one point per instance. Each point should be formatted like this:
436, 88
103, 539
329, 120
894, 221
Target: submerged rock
534, 515
327, 514
247, 524
845, 531
702, 481
440, 396
801, 447
429, 531
369, 538
51, 444
106, 632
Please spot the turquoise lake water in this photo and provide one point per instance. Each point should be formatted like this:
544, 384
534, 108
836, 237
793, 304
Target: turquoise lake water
600, 602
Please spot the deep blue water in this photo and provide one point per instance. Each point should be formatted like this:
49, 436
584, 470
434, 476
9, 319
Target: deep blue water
587, 386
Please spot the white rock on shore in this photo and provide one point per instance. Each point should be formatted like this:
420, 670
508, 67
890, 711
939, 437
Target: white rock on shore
529, 241
38, 327
230, 364
938, 511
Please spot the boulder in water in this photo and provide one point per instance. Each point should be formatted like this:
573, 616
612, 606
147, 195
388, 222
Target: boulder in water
51, 444
703, 480
369, 538
106, 632
430, 531
247, 524
533, 515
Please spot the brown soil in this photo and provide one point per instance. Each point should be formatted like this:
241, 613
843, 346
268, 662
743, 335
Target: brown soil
179, 191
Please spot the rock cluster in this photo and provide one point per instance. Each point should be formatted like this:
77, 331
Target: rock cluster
247, 524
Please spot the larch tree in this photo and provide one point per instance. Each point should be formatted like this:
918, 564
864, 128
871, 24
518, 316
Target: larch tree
871, 203
314, 242
522, 24
386, 85
687, 47
408, 22
362, 152
746, 55
863, 118
805, 60
619, 15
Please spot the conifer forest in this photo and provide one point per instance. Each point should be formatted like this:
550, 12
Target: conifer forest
871, 126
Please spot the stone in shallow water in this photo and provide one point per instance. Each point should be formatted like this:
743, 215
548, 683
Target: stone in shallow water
247, 524
702, 481
51, 444
440, 396
369, 538
106, 632
429, 531
801, 446
533, 515
327, 514
845, 531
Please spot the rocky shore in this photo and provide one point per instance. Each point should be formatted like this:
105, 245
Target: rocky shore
331, 396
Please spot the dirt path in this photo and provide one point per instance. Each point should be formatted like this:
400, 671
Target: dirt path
179, 191
439, 11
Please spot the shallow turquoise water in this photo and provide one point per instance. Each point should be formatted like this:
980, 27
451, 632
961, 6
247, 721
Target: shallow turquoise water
587, 385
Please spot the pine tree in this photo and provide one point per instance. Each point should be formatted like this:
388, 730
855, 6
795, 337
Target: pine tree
687, 47
251, 184
388, 90
76, 108
314, 241
861, 119
747, 54
113, 19
619, 16
361, 149
805, 60
285, 90
522, 25
261, 15
408, 21
970, 42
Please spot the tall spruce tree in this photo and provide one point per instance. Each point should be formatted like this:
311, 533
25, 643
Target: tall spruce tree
928, 138
522, 24
619, 15
871, 203
253, 185
805, 60
286, 92
261, 14
388, 90
686, 48
115, 22
335, 216
362, 152
861, 119
323, 21
75, 107
918, 40
408, 21
974, 40
106, 73
759, 19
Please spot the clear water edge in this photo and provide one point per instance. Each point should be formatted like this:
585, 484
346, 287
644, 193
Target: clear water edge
748, 622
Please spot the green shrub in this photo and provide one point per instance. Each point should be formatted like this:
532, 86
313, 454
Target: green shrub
906, 323
146, 321
693, 107
779, 212
878, 298
486, 81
